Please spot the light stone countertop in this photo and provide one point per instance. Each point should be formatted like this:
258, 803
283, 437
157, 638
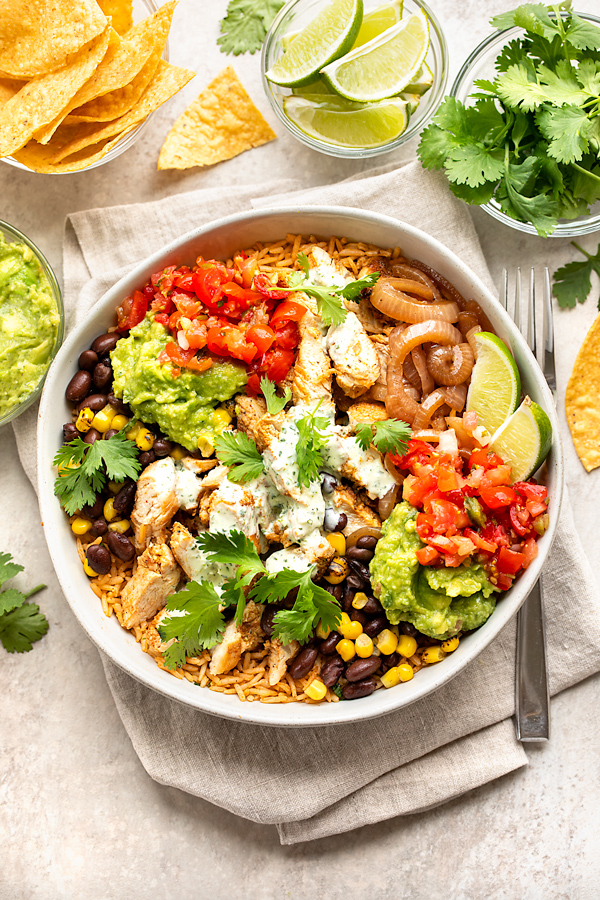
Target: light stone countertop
79, 817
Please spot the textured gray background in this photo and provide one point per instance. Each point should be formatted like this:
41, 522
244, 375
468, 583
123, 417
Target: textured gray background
79, 818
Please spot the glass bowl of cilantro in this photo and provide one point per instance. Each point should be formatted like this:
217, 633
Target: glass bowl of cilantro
519, 134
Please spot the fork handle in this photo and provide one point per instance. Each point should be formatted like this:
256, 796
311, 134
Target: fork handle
532, 697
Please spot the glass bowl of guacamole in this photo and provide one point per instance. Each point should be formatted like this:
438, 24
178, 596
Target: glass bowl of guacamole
31, 321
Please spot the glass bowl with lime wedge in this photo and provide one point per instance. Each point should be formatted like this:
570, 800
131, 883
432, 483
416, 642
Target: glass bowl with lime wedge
354, 78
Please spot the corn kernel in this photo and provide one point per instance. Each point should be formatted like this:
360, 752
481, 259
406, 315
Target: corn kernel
349, 629
406, 646
337, 571
322, 632
109, 510
80, 525
115, 486
386, 641
405, 672
119, 422
178, 453
346, 649
363, 645
88, 570
432, 655
185, 323
338, 542
84, 420
220, 418
121, 525
206, 445
450, 645
390, 678
102, 421
316, 690
360, 600
144, 440
133, 431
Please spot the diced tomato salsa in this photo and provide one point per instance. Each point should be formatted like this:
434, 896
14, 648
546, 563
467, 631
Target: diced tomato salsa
213, 311
469, 509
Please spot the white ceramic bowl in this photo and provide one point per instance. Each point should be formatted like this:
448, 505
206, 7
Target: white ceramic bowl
218, 240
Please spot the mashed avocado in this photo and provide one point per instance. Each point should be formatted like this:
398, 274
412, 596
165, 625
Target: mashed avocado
29, 323
438, 602
183, 406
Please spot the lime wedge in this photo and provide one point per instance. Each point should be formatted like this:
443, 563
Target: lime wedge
328, 36
421, 82
315, 87
495, 383
524, 440
378, 21
348, 124
384, 66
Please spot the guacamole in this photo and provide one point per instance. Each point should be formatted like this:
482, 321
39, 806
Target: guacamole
29, 324
182, 407
438, 601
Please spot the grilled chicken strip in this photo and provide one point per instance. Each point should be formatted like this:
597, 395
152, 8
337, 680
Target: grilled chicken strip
156, 577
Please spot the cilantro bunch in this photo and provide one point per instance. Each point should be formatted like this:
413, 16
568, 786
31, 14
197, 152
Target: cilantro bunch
21, 623
529, 139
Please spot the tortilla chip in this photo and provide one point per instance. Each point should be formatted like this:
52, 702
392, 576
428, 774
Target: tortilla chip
8, 89
221, 123
121, 12
123, 61
36, 156
40, 100
38, 38
69, 139
582, 400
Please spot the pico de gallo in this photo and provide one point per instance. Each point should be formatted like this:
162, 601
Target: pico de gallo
469, 510
215, 311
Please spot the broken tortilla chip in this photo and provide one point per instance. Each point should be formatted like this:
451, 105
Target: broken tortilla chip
582, 400
40, 100
221, 123
121, 13
70, 139
36, 156
38, 38
8, 89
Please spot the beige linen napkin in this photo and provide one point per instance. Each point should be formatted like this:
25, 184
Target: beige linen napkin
316, 782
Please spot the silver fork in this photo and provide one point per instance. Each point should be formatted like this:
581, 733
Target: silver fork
532, 699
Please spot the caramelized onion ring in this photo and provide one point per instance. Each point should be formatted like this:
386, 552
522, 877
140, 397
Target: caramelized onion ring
410, 372
364, 531
450, 365
447, 289
420, 361
397, 305
387, 503
430, 405
403, 270
471, 339
456, 396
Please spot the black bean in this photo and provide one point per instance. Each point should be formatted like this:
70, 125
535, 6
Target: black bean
123, 501
375, 625
93, 510
328, 483
99, 559
343, 521
105, 343
361, 570
347, 597
336, 590
357, 615
354, 582
289, 600
359, 554
79, 386
91, 436
362, 668
69, 432
162, 447
120, 545
266, 620
303, 663
146, 458
366, 542
356, 689
102, 376
99, 528
110, 433
373, 607
389, 661
408, 629
118, 405
95, 402
87, 360
328, 644
332, 670
334, 521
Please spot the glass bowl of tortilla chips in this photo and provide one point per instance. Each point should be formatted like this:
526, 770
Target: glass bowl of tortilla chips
81, 92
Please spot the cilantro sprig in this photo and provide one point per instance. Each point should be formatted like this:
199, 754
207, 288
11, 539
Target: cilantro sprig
201, 620
309, 449
245, 26
21, 623
572, 282
275, 404
85, 468
239, 451
530, 138
329, 299
390, 436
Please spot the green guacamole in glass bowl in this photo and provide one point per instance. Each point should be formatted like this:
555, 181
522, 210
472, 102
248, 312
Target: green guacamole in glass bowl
31, 321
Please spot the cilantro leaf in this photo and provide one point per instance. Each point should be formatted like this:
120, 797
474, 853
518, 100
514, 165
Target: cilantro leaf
519, 88
240, 453
311, 442
477, 196
567, 131
354, 289
275, 404
474, 165
329, 299
233, 548
572, 282
588, 75
245, 25
561, 86
22, 627
539, 210
533, 17
582, 34
9, 600
8, 568
391, 436
435, 146
313, 604
201, 626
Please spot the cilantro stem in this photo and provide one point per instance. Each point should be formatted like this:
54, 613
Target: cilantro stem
585, 172
581, 250
39, 587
